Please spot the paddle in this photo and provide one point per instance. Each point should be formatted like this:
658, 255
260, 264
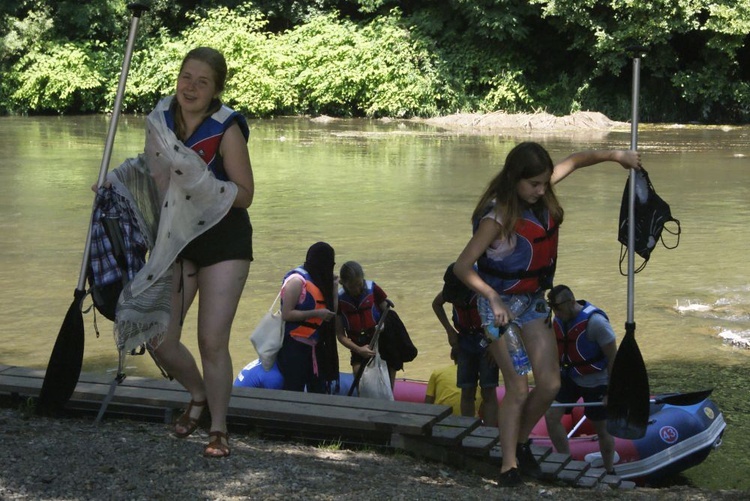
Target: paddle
64, 367
373, 343
628, 395
678, 399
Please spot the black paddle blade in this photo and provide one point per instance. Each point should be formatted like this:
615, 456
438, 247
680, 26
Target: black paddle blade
628, 405
680, 399
64, 367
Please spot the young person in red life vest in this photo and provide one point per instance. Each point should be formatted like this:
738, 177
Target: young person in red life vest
587, 346
361, 303
469, 345
308, 358
514, 248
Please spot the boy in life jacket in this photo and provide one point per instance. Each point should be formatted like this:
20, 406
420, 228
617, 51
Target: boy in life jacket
468, 342
587, 347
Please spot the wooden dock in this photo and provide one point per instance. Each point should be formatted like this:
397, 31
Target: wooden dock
423, 430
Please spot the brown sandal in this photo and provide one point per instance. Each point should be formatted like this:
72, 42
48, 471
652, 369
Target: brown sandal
190, 424
218, 447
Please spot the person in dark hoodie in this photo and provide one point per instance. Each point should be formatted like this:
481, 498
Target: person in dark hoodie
308, 358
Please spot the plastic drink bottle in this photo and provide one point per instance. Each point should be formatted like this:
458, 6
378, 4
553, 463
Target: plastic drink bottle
512, 332
516, 349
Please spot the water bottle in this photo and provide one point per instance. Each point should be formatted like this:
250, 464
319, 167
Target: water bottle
516, 349
512, 332
513, 339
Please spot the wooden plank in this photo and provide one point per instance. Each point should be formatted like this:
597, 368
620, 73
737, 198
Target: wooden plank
448, 435
24, 386
440, 411
293, 407
460, 421
478, 446
486, 432
452, 429
339, 401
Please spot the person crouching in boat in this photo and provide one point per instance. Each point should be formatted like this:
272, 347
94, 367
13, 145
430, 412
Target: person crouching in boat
308, 358
360, 306
587, 346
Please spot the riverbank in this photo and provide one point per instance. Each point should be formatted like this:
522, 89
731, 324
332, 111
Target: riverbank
529, 122
73, 458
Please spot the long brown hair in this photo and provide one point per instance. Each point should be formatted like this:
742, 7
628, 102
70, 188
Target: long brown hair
218, 64
524, 161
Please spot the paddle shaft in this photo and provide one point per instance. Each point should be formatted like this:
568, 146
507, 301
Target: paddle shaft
631, 190
137, 9
628, 393
590, 404
679, 399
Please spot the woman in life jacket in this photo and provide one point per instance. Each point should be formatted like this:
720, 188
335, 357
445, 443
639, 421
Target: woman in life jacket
361, 304
217, 261
514, 246
308, 358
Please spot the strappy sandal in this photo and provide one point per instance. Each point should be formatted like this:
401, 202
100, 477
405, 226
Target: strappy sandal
190, 424
218, 447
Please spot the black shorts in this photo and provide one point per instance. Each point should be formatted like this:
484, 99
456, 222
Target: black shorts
571, 392
229, 239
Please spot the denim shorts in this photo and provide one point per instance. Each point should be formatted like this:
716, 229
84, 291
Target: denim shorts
536, 307
473, 367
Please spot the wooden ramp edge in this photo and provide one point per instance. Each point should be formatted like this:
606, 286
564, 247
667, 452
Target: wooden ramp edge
423, 430
339, 413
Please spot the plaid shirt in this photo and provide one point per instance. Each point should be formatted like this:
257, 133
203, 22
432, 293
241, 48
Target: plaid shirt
114, 211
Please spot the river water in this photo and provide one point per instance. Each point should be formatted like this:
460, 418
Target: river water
397, 196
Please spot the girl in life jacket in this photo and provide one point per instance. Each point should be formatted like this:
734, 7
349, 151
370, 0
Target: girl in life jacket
361, 304
514, 245
308, 358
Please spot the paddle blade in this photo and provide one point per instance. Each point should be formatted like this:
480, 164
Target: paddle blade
628, 405
64, 367
683, 399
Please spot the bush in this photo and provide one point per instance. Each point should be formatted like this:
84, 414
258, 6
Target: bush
58, 78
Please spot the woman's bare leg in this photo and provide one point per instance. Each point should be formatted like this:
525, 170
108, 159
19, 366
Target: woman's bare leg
220, 286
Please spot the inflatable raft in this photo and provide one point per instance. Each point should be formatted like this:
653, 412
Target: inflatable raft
677, 437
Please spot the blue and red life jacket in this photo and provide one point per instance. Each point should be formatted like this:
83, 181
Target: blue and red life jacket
531, 266
306, 331
578, 353
206, 139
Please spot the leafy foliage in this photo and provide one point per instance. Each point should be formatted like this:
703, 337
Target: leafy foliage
388, 58
59, 79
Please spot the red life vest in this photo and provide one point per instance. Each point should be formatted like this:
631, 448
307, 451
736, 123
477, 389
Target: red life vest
359, 315
466, 318
531, 266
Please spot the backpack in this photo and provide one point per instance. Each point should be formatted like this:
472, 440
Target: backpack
454, 290
395, 345
117, 250
652, 213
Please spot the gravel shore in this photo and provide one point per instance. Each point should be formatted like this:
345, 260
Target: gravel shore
73, 458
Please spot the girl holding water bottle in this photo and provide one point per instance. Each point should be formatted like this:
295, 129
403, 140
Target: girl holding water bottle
514, 245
